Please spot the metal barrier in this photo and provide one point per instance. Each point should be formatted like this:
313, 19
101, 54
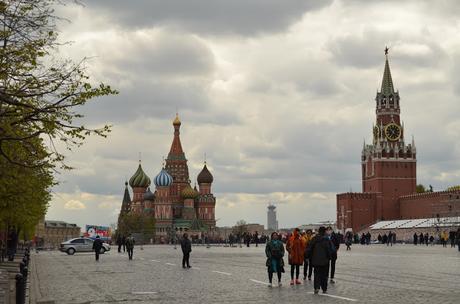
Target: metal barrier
21, 278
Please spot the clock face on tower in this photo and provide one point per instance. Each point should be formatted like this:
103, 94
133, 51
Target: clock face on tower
392, 132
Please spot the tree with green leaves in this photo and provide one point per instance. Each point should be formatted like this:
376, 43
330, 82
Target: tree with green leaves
138, 223
24, 194
40, 95
420, 188
39, 92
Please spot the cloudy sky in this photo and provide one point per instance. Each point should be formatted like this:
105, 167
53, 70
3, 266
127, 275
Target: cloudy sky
278, 94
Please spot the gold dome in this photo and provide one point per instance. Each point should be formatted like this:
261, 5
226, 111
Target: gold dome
176, 120
189, 192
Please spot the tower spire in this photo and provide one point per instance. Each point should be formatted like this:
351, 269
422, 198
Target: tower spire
387, 82
176, 146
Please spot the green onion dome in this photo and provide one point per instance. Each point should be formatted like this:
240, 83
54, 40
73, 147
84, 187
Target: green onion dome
188, 192
139, 179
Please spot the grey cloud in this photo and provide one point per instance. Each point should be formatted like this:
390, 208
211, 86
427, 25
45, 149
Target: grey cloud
164, 56
215, 17
361, 50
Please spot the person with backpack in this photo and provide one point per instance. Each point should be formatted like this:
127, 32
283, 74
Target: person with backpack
274, 250
320, 251
97, 246
130, 246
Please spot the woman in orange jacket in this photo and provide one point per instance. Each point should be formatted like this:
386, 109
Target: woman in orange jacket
295, 246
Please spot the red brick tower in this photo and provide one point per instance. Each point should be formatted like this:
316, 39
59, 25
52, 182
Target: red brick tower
389, 164
206, 201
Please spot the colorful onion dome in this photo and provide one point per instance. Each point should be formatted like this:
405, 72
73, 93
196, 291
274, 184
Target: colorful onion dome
139, 179
163, 179
205, 177
189, 192
148, 195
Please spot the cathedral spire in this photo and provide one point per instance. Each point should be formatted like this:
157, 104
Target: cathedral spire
387, 82
176, 146
125, 205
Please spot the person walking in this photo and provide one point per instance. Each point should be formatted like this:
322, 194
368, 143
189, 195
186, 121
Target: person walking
348, 240
307, 268
130, 246
97, 246
295, 246
320, 250
452, 238
458, 239
421, 239
123, 243
415, 238
119, 242
426, 239
186, 247
274, 250
336, 243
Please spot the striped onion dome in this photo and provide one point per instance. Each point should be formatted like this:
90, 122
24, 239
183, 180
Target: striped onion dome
148, 195
189, 192
163, 179
139, 179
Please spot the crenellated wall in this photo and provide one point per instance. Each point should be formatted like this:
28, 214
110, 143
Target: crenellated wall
429, 204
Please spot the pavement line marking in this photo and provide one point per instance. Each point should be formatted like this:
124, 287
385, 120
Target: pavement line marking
143, 292
221, 272
171, 264
259, 282
337, 297
155, 261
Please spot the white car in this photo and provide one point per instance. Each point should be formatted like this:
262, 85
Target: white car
81, 245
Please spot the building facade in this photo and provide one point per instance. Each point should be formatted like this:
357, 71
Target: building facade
175, 205
389, 171
50, 234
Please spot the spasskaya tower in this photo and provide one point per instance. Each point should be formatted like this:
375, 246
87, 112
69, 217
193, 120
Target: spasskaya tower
388, 164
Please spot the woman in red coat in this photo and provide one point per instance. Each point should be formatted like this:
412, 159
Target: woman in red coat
295, 246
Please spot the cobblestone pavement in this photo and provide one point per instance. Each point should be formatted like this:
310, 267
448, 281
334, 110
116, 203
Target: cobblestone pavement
367, 274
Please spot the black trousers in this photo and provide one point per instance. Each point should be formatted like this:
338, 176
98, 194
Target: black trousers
297, 271
332, 268
119, 247
186, 260
270, 276
130, 253
307, 268
320, 280
97, 254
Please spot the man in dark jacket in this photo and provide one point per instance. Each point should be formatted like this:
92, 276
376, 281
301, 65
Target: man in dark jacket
130, 246
186, 247
336, 243
320, 251
97, 246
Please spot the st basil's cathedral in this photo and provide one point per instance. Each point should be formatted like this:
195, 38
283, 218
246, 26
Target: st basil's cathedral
175, 205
